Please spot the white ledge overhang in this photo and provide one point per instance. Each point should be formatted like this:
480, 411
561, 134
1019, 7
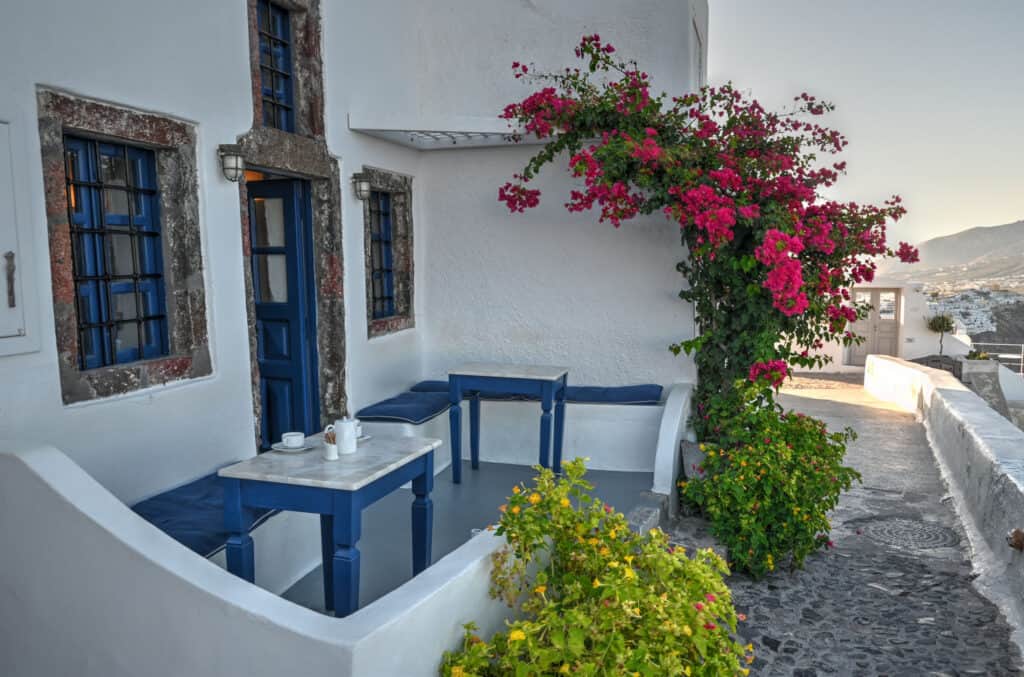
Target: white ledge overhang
442, 132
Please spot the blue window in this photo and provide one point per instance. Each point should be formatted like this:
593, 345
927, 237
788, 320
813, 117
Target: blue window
382, 274
116, 250
276, 66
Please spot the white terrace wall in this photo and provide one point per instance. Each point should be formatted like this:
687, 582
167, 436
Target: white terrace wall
90, 589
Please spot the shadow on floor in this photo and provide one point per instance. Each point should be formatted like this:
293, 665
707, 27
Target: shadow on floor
386, 546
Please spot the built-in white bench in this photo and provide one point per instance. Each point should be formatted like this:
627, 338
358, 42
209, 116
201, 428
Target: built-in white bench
619, 428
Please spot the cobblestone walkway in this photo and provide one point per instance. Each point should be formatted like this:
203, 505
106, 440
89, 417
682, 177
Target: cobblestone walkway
894, 597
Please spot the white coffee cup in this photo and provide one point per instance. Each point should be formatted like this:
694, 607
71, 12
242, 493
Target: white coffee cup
293, 440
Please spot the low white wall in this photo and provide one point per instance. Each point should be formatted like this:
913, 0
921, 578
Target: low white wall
981, 455
1012, 384
88, 588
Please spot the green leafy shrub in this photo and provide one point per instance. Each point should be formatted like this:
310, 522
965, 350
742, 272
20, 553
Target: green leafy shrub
768, 482
978, 355
597, 598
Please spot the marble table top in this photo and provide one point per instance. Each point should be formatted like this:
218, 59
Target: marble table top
524, 371
373, 459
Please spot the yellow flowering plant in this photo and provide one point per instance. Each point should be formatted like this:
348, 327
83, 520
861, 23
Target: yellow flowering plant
595, 598
768, 481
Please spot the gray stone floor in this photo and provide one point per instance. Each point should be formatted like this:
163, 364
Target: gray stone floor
385, 548
894, 597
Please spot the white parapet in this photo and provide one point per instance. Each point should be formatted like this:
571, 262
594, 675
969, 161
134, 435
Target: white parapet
981, 455
88, 588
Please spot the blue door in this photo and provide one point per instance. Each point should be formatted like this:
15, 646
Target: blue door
282, 265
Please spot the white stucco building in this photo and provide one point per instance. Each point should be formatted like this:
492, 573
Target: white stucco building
164, 321
896, 326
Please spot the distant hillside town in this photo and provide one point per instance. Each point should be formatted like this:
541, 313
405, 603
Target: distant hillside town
977, 276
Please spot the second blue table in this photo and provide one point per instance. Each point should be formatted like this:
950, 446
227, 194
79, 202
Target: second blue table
499, 381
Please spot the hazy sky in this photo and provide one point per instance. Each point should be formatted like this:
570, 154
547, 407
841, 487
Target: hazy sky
929, 93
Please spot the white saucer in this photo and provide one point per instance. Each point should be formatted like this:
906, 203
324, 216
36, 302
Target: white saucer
278, 446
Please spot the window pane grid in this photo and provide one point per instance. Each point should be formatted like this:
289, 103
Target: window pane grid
119, 293
382, 294
275, 65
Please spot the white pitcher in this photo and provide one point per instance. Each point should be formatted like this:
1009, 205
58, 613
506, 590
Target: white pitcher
347, 431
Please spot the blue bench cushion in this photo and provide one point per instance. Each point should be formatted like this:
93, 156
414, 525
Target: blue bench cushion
411, 407
430, 387
193, 514
442, 387
649, 393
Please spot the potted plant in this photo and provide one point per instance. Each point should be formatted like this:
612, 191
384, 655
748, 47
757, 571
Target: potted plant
941, 324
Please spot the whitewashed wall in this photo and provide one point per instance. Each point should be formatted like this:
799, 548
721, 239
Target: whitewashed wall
544, 287
158, 58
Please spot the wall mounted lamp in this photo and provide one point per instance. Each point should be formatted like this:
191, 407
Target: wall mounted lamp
361, 186
231, 162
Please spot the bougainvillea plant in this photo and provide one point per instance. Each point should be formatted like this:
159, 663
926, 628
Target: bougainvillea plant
770, 259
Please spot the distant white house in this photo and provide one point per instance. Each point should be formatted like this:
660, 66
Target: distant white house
896, 326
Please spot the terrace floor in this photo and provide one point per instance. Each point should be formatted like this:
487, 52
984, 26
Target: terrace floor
385, 547
895, 595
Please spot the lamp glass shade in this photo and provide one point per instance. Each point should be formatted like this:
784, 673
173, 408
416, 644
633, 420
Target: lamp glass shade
361, 187
233, 166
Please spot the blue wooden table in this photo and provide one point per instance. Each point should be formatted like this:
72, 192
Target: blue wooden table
506, 381
338, 491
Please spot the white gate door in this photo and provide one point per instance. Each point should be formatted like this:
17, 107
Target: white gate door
880, 329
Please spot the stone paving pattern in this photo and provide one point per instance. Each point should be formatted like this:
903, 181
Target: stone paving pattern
894, 597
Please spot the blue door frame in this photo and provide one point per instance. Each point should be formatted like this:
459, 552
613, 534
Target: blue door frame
280, 219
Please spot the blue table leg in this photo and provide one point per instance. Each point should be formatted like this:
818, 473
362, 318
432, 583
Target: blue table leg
422, 517
455, 421
559, 426
474, 430
345, 569
327, 558
237, 520
547, 394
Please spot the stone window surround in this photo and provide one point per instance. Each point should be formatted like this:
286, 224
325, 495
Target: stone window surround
174, 144
307, 66
301, 154
400, 187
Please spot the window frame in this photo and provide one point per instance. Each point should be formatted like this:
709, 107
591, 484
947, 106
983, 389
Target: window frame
382, 255
275, 61
98, 282
389, 233
174, 144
